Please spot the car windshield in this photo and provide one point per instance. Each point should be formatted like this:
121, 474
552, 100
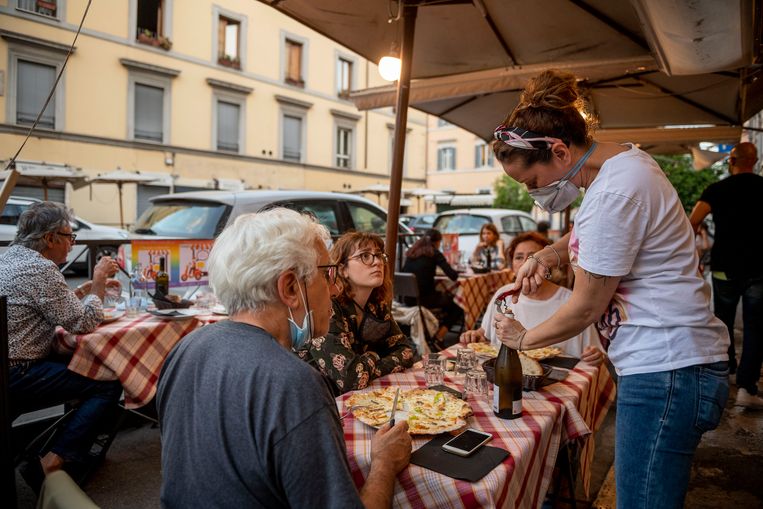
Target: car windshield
182, 219
460, 223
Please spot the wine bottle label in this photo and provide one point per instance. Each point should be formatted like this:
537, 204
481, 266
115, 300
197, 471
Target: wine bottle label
516, 407
496, 398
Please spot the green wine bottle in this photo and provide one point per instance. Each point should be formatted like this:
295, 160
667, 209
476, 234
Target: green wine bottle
162, 279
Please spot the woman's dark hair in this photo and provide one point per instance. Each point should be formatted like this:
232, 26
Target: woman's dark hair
493, 228
425, 245
343, 249
524, 237
550, 105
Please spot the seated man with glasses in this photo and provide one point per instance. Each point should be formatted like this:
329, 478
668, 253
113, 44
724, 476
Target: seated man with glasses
38, 301
364, 342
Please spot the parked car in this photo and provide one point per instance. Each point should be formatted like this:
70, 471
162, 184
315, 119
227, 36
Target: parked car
204, 214
85, 230
467, 223
419, 223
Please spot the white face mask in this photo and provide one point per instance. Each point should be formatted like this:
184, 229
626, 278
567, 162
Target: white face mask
557, 196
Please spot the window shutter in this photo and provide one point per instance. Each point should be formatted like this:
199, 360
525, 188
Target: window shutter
228, 115
33, 85
292, 138
149, 113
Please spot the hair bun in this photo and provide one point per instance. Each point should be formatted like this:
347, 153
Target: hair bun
552, 89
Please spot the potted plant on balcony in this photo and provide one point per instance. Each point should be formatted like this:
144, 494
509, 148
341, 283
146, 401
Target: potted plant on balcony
229, 61
165, 43
51, 6
148, 37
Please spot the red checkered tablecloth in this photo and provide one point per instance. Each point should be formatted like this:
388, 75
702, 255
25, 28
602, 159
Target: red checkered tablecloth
473, 293
131, 350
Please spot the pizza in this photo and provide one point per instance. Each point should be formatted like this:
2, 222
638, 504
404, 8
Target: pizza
542, 353
427, 411
484, 349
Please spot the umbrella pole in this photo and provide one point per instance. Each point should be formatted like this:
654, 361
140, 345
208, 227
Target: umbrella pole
401, 121
121, 213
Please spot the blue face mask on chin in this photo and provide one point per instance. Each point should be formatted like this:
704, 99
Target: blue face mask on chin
300, 335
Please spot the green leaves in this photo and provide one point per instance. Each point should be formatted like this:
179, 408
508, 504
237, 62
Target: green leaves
509, 194
688, 182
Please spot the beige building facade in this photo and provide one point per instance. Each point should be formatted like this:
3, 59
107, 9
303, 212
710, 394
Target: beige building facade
226, 94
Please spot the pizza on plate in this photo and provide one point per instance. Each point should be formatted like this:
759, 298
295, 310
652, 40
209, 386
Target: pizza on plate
484, 349
542, 353
427, 411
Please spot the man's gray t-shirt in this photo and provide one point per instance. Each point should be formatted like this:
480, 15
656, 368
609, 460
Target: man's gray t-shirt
246, 423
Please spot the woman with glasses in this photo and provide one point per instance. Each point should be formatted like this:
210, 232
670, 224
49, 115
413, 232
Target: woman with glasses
422, 259
39, 300
632, 250
364, 342
488, 254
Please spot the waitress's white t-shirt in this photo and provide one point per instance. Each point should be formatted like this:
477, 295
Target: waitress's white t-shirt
531, 313
631, 224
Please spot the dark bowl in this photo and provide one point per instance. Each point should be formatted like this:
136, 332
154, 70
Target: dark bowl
166, 304
529, 382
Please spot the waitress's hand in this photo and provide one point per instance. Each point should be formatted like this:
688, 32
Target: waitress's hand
509, 331
528, 279
592, 355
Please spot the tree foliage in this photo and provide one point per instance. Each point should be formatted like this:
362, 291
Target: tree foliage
688, 182
510, 194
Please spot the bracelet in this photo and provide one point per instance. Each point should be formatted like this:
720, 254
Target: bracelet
521, 338
548, 270
558, 258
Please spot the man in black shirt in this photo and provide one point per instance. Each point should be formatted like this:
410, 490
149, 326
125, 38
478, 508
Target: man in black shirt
735, 261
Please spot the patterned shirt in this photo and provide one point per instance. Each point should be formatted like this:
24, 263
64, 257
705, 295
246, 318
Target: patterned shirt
354, 353
39, 300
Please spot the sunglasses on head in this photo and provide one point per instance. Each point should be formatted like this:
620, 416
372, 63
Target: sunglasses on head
522, 138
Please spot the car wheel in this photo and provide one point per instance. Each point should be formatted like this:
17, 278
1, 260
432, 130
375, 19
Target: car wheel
106, 251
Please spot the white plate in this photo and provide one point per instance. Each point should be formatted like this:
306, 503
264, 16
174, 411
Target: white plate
113, 315
175, 314
219, 309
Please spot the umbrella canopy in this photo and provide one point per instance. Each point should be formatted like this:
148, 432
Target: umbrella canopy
377, 189
120, 177
46, 175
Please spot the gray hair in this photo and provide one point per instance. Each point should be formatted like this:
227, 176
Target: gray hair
39, 220
249, 256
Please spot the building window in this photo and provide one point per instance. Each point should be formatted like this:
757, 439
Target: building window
228, 126
294, 63
483, 156
150, 23
228, 42
149, 113
33, 84
291, 145
47, 8
343, 147
391, 149
446, 158
344, 77
442, 123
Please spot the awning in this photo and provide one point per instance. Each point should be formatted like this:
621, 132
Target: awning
466, 200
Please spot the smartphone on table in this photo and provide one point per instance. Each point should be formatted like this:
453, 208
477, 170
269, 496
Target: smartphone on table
467, 442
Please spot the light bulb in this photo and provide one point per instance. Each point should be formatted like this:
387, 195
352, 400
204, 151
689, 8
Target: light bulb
389, 68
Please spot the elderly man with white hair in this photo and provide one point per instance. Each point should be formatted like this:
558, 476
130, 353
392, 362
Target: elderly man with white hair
245, 422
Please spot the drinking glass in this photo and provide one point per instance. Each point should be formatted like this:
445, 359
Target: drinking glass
476, 383
465, 359
434, 374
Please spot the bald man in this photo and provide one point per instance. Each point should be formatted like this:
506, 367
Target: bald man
736, 203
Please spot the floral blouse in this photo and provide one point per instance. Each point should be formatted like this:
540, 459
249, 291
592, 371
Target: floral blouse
352, 353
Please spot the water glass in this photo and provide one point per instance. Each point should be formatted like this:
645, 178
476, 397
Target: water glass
133, 306
466, 359
476, 383
434, 374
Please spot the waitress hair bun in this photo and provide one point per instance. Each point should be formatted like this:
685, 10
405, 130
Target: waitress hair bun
554, 90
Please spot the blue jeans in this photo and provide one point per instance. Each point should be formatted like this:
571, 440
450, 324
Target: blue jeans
660, 420
726, 295
48, 382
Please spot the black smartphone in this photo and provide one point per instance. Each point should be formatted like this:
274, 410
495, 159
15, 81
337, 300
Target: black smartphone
467, 442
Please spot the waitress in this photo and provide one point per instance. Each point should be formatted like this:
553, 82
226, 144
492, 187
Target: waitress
632, 249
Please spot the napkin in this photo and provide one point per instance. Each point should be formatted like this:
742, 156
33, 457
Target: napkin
472, 468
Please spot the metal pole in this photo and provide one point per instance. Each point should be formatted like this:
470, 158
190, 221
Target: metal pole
401, 121
121, 213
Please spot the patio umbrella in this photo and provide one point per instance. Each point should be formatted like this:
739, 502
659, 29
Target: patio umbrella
439, 38
423, 192
377, 189
46, 175
121, 177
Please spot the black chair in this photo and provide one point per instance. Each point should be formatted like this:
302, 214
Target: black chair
406, 291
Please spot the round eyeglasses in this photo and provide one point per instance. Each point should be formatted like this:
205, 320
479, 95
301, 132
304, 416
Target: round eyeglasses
367, 258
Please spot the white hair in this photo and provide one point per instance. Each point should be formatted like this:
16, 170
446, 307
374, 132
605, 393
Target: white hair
249, 256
